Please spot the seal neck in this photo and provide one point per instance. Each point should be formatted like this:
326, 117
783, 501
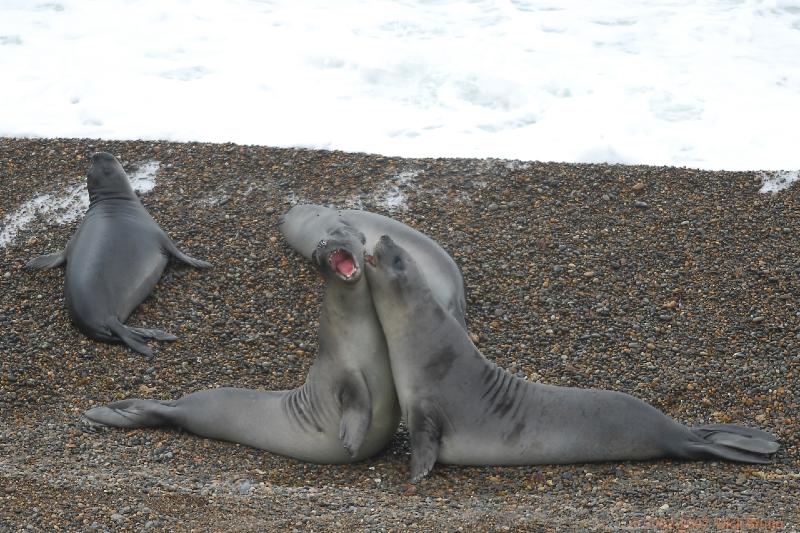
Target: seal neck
96, 197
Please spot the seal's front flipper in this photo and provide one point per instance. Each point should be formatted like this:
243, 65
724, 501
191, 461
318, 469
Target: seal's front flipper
53, 260
425, 429
132, 413
356, 415
180, 256
134, 339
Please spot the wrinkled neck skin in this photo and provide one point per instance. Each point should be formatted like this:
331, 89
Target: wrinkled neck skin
348, 321
101, 194
405, 319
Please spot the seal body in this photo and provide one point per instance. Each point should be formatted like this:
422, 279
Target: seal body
114, 259
462, 409
305, 224
345, 411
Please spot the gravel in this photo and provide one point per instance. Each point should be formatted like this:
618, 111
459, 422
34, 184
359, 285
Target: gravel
675, 285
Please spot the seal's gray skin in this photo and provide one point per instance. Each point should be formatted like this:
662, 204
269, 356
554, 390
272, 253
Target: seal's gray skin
462, 409
347, 409
304, 225
114, 259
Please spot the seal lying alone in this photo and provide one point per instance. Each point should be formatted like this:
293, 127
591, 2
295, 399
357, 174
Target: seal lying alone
114, 259
462, 409
347, 409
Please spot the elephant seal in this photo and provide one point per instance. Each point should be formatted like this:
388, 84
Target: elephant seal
305, 224
462, 409
346, 410
114, 259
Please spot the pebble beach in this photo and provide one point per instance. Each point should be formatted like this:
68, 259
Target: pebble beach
675, 285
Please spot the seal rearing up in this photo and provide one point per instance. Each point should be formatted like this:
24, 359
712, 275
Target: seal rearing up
462, 409
305, 224
346, 410
114, 259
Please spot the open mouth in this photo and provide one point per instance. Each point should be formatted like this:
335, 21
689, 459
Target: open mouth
343, 263
371, 259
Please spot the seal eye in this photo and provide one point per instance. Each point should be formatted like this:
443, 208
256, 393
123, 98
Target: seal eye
398, 263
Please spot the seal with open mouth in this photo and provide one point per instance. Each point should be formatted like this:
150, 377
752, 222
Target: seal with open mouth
304, 225
346, 410
462, 409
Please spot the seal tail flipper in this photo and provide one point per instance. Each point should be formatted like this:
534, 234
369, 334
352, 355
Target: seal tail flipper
156, 334
135, 338
133, 413
180, 256
731, 442
48, 261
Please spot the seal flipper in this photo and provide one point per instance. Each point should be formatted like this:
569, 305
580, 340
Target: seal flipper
732, 442
53, 260
156, 334
180, 256
133, 413
356, 415
425, 429
135, 338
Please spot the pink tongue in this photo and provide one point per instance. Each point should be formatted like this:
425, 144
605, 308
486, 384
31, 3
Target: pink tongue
346, 266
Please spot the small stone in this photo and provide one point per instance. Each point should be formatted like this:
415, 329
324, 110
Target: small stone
409, 489
588, 274
758, 319
643, 205
558, 269
7, 275
493, 207
606, 197
244, 487
638, 187
116, 517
